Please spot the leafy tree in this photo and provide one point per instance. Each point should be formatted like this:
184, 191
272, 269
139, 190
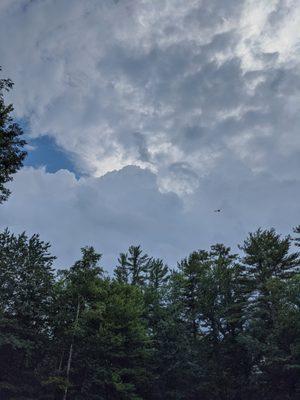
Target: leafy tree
12, 151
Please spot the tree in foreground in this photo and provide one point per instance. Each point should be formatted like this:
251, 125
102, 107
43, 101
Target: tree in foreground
12, 152
272, 271
26, 290
219, 327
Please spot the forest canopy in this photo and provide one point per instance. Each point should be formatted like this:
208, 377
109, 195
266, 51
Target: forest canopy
219, 326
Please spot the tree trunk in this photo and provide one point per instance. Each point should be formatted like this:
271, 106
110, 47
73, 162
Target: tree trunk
71, 351
61, 362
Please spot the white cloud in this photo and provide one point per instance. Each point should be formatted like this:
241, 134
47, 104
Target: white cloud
201, 94
92, 74
270, 27
126, 207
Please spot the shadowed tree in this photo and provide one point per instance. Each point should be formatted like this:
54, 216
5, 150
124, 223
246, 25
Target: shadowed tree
12, 151
219, 327
26, 299
297, 239
80, 288
269, 267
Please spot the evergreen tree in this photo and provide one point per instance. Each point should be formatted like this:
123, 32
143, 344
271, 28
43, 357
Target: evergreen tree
154, 293
118, 349
26, 298
269, 266
191, 284
158, 274
121, 271
211, 294
79, 289
217, 328
12, 151
137, 264
297, 240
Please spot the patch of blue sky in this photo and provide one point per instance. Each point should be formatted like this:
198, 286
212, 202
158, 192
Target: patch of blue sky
43, 151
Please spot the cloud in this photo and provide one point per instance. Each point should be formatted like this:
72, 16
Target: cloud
111, 212
160, 83
167, 109
126, 207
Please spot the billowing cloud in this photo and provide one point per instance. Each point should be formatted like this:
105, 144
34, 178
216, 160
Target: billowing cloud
126, 207
201, 94
112, 212
158, 84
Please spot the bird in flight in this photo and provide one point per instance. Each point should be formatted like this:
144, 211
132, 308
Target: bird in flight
218, 210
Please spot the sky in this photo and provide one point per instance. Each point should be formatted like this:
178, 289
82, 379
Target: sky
143, 117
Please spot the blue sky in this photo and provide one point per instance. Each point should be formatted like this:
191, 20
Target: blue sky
143, 117
44, 152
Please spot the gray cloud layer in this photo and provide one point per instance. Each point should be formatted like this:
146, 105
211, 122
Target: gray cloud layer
203, 93
126, 207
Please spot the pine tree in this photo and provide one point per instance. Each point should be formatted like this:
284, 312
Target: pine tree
217, 328
121, 271
158, 273
80, 288
297, 239
26, 298
190, 280
100, 335
269, 266
137, 265
12, 151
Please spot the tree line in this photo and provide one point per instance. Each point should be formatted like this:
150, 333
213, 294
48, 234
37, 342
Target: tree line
218, 326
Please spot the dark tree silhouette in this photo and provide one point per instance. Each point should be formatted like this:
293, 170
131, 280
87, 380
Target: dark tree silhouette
12, 151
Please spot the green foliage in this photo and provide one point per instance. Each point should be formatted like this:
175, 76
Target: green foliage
271, 267
26, 283
218, 327
11, 144
133, 266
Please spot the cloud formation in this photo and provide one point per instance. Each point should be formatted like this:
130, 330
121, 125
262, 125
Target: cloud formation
203, 94
158, 84
126, 207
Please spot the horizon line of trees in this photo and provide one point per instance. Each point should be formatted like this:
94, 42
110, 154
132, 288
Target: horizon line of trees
219, 326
